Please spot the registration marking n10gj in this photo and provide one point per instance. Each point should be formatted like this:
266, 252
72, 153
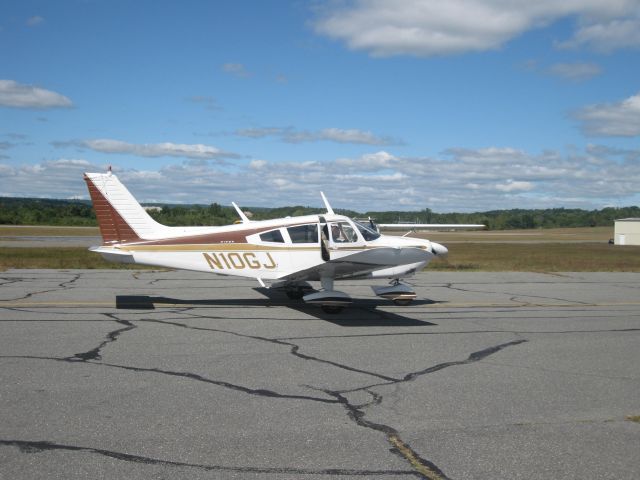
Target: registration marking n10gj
239, 261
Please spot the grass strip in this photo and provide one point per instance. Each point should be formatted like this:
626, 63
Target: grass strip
47, 231
57, 258
542, 257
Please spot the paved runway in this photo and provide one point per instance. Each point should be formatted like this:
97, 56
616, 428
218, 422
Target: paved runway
121, 374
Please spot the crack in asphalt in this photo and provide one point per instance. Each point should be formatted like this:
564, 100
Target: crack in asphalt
464, 332
94, 353
9, 281
472, 358
515, 296
192, 376
294, 348
422, 466
40, 446
356, 413
61, 286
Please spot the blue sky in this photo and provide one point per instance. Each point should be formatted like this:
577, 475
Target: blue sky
462, 105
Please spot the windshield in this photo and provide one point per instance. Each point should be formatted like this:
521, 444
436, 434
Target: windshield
342, 232
366, 232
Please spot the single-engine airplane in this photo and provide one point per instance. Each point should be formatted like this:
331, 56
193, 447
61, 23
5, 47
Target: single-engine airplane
286, 252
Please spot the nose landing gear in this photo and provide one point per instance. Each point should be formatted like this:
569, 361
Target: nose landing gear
400, 293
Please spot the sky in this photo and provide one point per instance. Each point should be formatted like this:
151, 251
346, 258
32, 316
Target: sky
456, 106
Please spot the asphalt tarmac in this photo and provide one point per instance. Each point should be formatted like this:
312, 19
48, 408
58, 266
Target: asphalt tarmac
179, 375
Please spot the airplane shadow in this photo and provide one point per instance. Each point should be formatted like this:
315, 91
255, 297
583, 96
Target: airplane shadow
363, 313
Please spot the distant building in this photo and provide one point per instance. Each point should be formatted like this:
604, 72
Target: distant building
153, 209
627, 231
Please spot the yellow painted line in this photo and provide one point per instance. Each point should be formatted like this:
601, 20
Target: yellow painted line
57, 304
96, 304
524, 304
413, 460
408, 308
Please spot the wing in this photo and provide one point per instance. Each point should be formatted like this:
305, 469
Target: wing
359, 264
429, 226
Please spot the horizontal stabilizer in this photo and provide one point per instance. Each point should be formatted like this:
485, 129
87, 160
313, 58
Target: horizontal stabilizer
113, 254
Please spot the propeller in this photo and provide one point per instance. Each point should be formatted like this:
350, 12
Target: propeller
373, 225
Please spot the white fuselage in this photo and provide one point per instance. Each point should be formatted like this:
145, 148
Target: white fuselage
284, 248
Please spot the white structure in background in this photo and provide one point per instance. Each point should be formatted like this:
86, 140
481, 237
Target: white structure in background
627, 231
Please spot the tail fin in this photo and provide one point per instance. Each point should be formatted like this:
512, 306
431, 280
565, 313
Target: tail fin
120, 216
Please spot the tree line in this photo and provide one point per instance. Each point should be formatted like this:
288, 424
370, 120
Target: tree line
34, 211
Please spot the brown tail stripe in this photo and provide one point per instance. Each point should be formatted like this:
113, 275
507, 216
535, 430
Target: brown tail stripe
113, 227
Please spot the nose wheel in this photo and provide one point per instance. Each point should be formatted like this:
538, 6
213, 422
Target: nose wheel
403, 302
399, 293
332, 309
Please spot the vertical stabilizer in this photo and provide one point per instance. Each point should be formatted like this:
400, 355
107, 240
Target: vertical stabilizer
120, 217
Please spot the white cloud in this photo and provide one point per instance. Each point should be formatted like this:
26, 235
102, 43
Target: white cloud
431, 27
14, 94
369, 162
206, 101
258, 164
514, 186
260, 132
607, 36
338, 135
461, 180
490, 155
34, 21
236, 69
621, 119
352, 136
577, 71
59, 178
166, 149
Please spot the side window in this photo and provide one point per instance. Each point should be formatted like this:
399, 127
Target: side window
342, 232
304, 233
272, 236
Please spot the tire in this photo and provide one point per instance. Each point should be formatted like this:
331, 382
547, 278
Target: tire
403, 302
295, 294
331, 309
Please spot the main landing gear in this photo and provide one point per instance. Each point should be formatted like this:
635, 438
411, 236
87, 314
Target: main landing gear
295, 291
330, 300
333, 301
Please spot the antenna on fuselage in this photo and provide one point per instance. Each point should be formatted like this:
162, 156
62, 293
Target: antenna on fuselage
326, 204
243, 217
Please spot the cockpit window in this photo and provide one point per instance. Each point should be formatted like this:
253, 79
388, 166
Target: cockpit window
272, 236
342, 232
304, 233
366, 232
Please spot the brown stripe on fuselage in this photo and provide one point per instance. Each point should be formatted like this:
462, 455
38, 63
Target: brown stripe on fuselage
228, 237
214, 247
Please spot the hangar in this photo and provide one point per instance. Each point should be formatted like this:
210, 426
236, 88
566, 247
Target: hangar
627, 231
